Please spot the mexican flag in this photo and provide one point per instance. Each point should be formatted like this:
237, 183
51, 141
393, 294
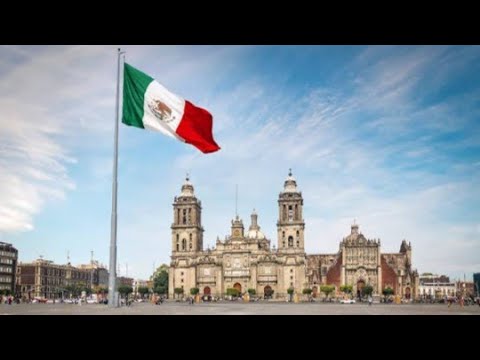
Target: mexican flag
149, 105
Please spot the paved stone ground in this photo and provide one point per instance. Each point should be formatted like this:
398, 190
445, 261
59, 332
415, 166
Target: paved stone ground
238, 308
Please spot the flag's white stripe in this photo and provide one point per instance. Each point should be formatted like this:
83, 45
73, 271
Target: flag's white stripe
157, 92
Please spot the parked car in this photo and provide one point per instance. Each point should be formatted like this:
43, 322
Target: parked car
347, 301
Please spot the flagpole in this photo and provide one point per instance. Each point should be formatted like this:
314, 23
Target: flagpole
112, 299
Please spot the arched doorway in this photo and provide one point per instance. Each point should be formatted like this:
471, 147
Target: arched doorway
238, 286
360, 286
206, 290
268, 291
315, 291
407, 293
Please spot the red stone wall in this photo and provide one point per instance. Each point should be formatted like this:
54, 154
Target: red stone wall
334, 274
389, 276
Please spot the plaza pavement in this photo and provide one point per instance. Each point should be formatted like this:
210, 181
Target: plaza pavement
240, 308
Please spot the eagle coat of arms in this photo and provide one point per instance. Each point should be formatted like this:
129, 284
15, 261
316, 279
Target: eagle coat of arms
161, 110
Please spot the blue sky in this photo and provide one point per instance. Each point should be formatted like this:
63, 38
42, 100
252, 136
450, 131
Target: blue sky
386, 135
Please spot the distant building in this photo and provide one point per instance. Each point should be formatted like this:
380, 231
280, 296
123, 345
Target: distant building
139, 283
436, 286
45, 279
465, 288
476, 282
8, 267
122, 280
99, 273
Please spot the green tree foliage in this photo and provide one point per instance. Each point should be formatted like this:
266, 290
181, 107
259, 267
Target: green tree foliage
233, 292
388, 291
194, 291
178, 291
124, 290
290, 291
367, 290
347, 289
252, 291
307, 291
160, 280
327, 289
142, 290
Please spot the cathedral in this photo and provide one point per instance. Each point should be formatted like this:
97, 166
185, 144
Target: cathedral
246, 259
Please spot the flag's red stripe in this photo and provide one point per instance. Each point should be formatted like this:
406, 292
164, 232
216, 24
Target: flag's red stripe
196, 128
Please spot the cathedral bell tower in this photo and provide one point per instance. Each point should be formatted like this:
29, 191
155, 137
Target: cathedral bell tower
290, 223
187, 230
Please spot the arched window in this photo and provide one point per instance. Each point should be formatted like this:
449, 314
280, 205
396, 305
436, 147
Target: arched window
190, 245
178, 216
298, 243
184, 220
184, 244
283, 234
290, 213
290, 241
189, 221
296, 212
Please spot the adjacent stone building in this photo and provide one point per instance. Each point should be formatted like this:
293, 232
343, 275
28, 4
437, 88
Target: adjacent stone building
246, 259
8, 267
45, 279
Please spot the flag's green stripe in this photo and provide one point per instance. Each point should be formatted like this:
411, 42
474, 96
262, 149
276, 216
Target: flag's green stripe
135, 85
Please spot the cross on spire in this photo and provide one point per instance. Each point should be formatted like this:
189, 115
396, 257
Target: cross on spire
290, 172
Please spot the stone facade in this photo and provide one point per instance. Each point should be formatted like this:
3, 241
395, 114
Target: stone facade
8, 267
246, 260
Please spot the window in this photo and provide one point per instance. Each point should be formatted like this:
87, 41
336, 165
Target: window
290, 241
284, 215
184, 220
190, 245
283, 234
184, 244
298, 243
181, 273
291, 277
283, 243
189, 215
291, 271
296, 212
181, 280
290, 213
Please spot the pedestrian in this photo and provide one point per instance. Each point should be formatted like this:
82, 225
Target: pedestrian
370, 300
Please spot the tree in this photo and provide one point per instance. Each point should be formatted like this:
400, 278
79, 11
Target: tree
233, 292
307, 291
194, 291
160, 280
387, 292
367, 290
124, 290
142, 290
347, 289
327, 289
178, 291
251, 292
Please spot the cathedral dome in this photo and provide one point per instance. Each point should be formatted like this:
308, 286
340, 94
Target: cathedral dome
254, 230
290, 183
187, 188
255, 234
